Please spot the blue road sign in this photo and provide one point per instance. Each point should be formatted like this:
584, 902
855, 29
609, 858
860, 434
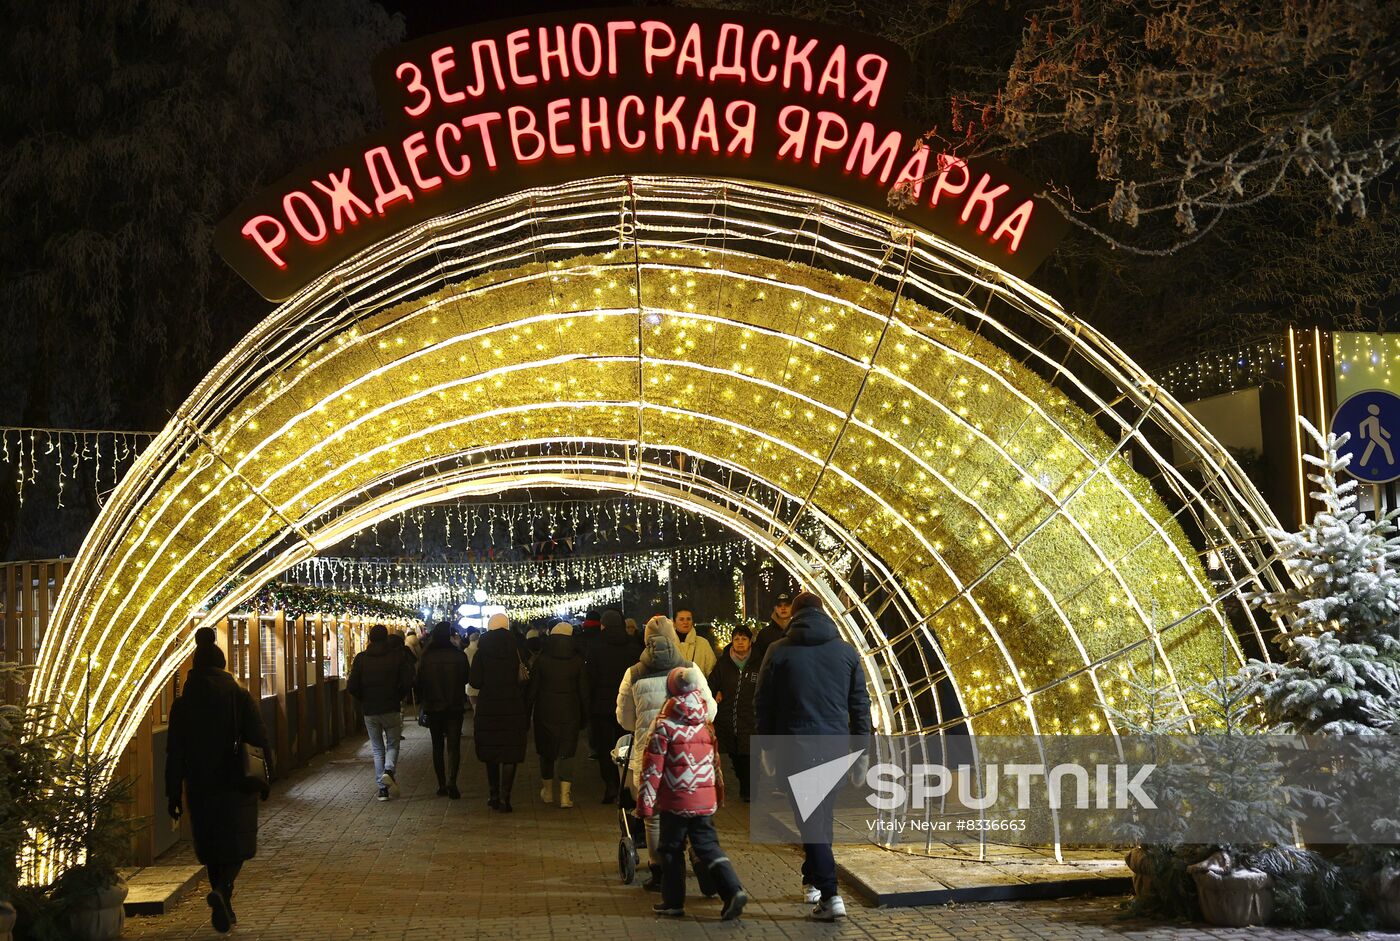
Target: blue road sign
1372, 418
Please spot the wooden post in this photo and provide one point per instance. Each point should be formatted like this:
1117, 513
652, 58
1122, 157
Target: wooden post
279, 685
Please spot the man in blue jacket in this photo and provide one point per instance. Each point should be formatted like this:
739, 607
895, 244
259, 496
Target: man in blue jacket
811, 683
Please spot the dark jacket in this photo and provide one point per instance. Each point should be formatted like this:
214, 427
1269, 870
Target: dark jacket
611, 655
380, 678
200, 755
734, 689
558, 697
811, 682
766, 638
442, 679
502, 719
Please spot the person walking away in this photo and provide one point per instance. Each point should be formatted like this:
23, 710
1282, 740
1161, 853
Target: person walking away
639, 699
442, 694
400, 643
611, 656
211, 716
500, 720
558, 698
698, 650
733, 683
681, 781
811, 683
380, 678
775, 629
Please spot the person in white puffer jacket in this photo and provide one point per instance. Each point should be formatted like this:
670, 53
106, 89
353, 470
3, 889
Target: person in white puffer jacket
639, 699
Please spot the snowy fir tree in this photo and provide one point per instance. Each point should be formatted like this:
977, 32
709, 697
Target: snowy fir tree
1340, 671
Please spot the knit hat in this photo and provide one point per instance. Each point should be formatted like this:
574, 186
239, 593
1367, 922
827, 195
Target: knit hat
661, 626
378, 634
611, 619
442, 632
205, 635
806, 599
682, 680
207, 654
563, 627
498, 621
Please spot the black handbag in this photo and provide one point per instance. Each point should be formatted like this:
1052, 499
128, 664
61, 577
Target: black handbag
251, 761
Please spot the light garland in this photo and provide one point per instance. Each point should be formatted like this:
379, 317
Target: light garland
1222, 371
72, 455
1363, 361
1021, 550
438, 601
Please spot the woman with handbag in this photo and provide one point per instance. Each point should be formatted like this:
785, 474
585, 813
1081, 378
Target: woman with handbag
500, 716
442, 698
215, 749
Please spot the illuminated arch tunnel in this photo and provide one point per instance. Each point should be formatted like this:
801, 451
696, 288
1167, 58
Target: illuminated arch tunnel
983, 486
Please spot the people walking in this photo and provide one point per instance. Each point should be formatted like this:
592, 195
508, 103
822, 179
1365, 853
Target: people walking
207, 722
380, 678
500, 721
681, 781
811, 683
639, 698
559, 702
698, 650
442, 695
775, 629
611, 656
733, 682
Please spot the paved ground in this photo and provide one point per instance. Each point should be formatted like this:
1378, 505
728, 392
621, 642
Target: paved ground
334, 863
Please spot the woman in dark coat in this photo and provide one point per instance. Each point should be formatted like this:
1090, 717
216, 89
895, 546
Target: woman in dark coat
500, 717
558, 699
442, 693
613, 653
733, 681
206, 723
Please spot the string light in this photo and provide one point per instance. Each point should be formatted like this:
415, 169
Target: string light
69, 454
1220, 371
1363, 361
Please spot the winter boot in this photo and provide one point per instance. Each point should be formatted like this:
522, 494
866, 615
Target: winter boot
547, 790
653, 883
507, 782
566, 797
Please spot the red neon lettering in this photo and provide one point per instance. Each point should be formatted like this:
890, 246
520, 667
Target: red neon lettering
792, 57
517, 43
669, 117
414, 150
913, 172
742, 131
557, 53
415, 86
729, 32
614, 28
555, 114
1015, 225
483, 122
690, 52
443, 62
253, 229
763, 37
385, 197
795, 136
871, 84
863, 149
478, 88
345, 205
521, 128
313, 235
622, 138
986, 197
706, 127
591, 31
944, 183
651, 51
588, 124
834, 73
826, 140
442, 132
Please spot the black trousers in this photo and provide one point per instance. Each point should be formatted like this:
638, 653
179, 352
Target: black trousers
704, 842
445, 729
603, 733
221, 877
741, 771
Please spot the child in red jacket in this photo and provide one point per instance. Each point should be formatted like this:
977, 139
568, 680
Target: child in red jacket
681, 781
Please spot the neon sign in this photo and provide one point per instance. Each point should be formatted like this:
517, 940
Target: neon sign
485, 111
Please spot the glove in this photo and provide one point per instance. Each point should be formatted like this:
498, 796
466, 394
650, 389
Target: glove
174, 809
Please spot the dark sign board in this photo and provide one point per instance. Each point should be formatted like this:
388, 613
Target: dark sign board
486, 111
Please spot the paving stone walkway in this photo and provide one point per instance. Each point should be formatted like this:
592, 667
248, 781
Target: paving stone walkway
334, 863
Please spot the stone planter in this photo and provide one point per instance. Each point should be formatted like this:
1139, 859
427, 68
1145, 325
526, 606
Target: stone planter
1383, 889
98, 915
7, 921
1231, 897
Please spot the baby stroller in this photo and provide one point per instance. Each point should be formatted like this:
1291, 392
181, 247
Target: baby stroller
634, 834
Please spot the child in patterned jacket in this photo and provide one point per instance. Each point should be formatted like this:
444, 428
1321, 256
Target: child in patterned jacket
681, 781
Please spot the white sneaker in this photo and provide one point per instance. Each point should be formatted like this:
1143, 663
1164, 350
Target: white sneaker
830, 909
386, 780
811, 894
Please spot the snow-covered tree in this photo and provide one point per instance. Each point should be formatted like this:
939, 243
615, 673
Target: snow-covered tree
1341, 654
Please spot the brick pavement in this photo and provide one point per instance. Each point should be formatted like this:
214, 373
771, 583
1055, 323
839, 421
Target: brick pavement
334, 863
